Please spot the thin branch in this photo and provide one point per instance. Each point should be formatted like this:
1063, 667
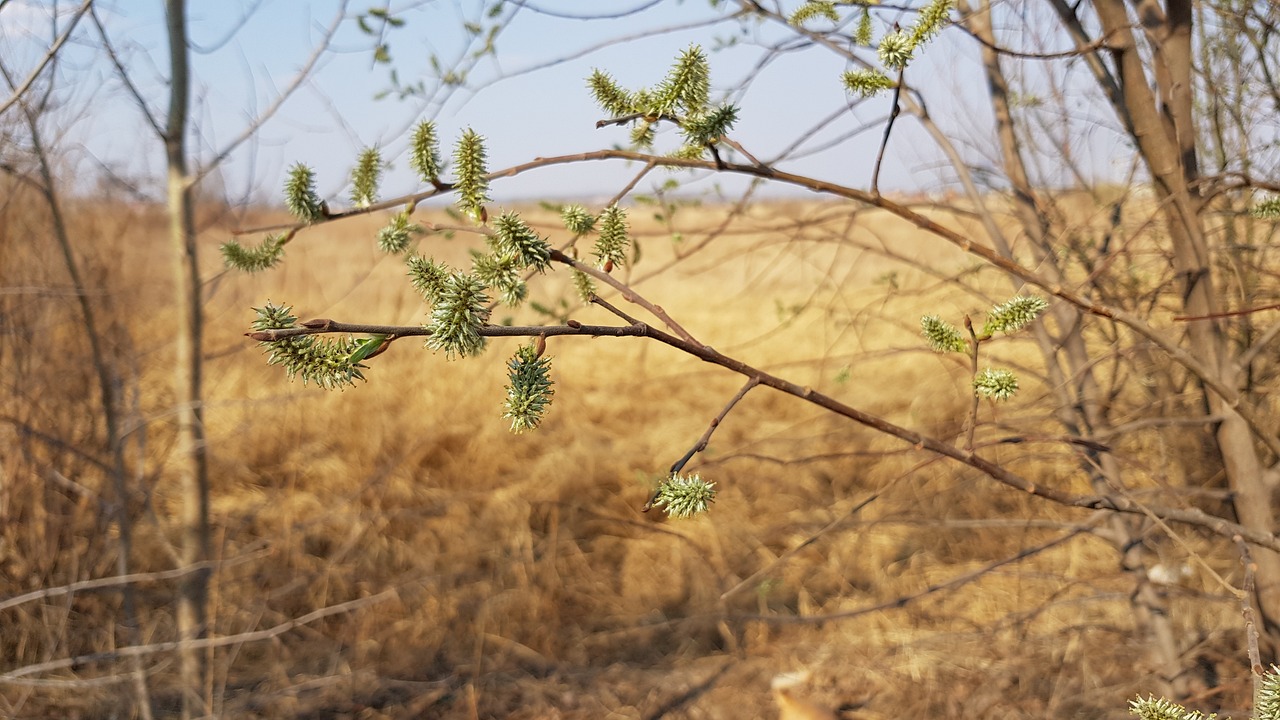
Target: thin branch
951, 584
1250, 614
1265, 431
628, 294
888, 129
973, 376
298, 79
15, 677
701, 444
124, 76
99, 583
21, 90
754, 577
992, 469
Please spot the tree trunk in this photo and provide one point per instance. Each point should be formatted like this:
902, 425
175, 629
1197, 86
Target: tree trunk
1165, 135
1079, 406
192, 467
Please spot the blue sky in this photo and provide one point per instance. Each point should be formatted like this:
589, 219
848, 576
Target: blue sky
239, 72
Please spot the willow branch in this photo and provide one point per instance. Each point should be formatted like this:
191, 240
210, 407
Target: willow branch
993, 470
1161, 339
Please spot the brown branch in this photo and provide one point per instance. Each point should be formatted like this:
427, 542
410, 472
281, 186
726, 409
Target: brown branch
888, 129
322, 326
992, 469
628, 294
1250, 614
1226, 314
701, 445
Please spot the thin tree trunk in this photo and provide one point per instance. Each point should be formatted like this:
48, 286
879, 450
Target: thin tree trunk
109, 395
192, 465
1080, 410
1165, 136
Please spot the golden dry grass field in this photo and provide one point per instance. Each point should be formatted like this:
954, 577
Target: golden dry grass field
514, 576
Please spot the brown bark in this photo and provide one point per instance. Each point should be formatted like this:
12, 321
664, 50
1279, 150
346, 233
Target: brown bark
1164, 131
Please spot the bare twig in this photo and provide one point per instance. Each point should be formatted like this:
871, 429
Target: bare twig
1250, 615
628, 294
953, 583
16, 676
100, 583
973, 375
49, 54
888, 128
701, 444
839, 520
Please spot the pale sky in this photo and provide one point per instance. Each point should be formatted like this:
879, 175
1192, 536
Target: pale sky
240, 69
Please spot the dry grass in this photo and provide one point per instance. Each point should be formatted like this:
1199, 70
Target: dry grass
527, 584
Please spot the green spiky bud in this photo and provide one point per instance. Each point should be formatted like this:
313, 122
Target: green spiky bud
584, 285
705, 128
365, 178
866, 82
1268, 209
688, 152
930, 21
263, 256
300, 194
896, 50
327, 363
502, 273
469, 164
576, 219
942, 335
995, 384
686, 86
1153, 708
460, 312
862, 35
512, 236
642, 135
528, 387
1014, 314
394, 238
814, 9
608, 95
1267, 705
611, 245
428, 276
424, 152
682, 497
